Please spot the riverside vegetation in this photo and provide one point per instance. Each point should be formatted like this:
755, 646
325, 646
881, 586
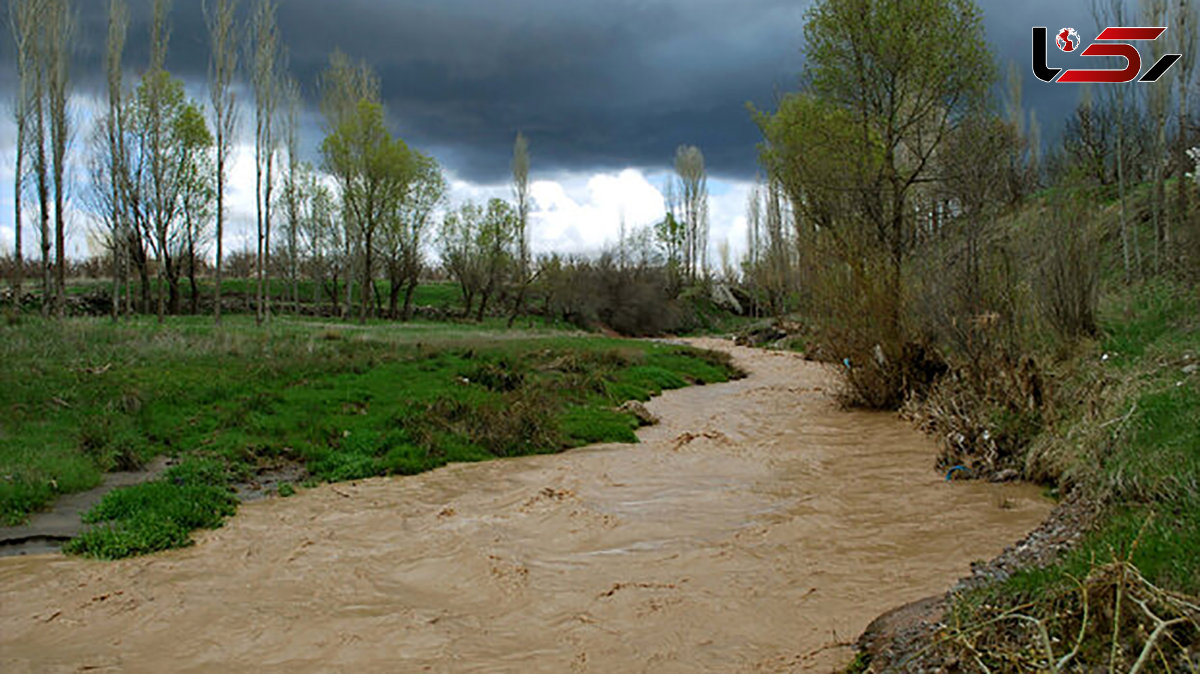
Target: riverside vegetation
345, 403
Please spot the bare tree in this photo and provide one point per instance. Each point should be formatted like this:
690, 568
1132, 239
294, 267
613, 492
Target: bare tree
520, 174
23, 19
222, 67
37, 141
265, 79
1158, 97
693, 191
520, 171
155, 95
293, 195
1112, 13
59, 26
118, 25
1186, 27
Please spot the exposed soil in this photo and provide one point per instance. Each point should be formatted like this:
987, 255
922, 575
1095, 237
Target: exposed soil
756, 528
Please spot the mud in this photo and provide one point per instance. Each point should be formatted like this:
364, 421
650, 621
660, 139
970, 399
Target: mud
45, 532
757, 528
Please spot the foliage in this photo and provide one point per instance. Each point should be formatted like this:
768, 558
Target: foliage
374, 171
476, 248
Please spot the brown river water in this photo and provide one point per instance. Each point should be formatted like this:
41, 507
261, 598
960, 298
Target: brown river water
757, 528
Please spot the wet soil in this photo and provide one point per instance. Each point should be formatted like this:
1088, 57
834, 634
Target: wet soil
756, 528
46, 531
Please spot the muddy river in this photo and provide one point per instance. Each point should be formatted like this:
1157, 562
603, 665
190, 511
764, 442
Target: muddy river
755, 529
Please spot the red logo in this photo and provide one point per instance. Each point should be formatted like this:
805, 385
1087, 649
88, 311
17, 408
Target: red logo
1067, 40
1112, 41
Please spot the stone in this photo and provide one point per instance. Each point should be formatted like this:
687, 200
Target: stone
644, 416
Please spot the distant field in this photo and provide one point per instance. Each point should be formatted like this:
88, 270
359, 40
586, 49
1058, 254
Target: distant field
345, 402
438, 294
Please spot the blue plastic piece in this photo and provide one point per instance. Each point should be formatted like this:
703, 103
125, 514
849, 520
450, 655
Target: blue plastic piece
952, 471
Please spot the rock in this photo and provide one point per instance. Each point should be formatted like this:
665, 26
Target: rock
1191, 369
1008, 475
760, 335
724, 298
638, 410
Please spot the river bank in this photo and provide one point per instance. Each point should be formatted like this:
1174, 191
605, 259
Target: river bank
748, 530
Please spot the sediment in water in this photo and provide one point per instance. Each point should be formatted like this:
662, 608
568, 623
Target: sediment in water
757, 527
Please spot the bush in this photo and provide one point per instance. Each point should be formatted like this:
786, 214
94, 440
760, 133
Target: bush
150, 517
632, 300
1068, 276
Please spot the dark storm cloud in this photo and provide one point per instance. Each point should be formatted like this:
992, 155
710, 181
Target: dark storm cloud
595, 85
601, 85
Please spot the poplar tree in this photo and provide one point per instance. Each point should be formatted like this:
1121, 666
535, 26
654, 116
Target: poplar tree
23, 20
265, 80
223, 65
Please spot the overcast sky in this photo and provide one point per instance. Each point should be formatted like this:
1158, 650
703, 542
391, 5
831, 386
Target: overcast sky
605, 90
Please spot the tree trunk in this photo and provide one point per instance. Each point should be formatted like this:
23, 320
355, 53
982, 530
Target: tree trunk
409, 290
143, 267
261, 263
394, 284
366, 277
220, 233
483, 300
162, 300
195, 299
19, 268
43, 190
173, 291
60, 246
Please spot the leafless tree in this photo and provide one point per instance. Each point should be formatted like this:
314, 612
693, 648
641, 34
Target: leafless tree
693, 192
118, 25
292, 183
1158, 98
1186, 27
37, 141
152, 101
59, 26
23, 19
1112, 13
265, 79
520, 176
222, 67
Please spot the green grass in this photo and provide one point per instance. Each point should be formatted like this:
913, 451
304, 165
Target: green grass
346, 401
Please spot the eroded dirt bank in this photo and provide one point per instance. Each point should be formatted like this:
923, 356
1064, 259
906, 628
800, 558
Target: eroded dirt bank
752, 530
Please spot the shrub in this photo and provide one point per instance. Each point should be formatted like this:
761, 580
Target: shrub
150, 517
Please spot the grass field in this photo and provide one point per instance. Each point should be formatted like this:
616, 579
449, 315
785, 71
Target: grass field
442, 295
346, 402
